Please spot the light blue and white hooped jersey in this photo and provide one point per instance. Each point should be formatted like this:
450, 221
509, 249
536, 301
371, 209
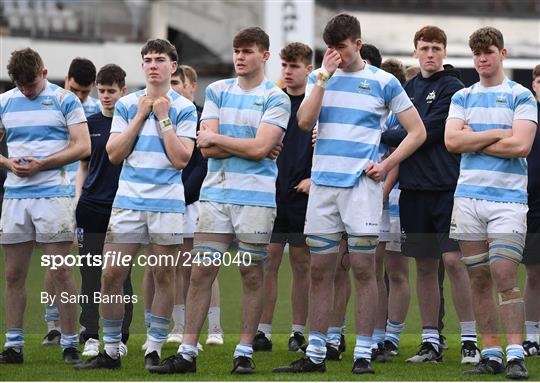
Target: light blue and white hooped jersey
393, 201
482, 176
237, 180
148, 180
39, 128
354, 109
91, 106
390, 123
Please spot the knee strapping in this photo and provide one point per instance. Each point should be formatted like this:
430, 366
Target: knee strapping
510, 296
209, 249
477, 260
365, 245
324, 244
505, 249
252, 253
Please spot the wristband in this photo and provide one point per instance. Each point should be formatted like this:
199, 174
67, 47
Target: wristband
165, 125
322, 77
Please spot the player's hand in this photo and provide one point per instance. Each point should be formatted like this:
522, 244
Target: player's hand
203, 125
205, 138
331, 60
303, 186
276, 150
27, 167
314, 134
161, 108
144, 106
376, 171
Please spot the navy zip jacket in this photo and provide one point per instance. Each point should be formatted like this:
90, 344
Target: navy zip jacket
431, 167
195, 171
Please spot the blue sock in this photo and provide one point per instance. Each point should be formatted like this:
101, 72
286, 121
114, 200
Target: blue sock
188, 351
431, 335
157, 333
514, 351
147, 314
393, 331
363, 347
243, 349
377, 337
14, 338
493, 353
112, 335
52, 313
69, 340
316, 350
334, 336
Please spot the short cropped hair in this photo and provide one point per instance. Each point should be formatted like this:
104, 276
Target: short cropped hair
180, 73
111, 74
395, 67
297, 52
24, 66
430, 34
483, 38
190, 73
341, 27
252, 35
371, 53
83, 71
536, 71
160, 46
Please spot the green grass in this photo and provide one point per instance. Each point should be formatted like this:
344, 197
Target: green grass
215, 362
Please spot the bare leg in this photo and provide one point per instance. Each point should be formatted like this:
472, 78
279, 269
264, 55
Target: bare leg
299, 259
17, 263
271, 268
64, 282
399, 296
485, 310
461, 286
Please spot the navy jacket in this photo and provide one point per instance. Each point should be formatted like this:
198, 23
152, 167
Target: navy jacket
533, 160
195, 171
431, 167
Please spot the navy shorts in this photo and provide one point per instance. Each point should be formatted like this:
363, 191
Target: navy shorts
425, 223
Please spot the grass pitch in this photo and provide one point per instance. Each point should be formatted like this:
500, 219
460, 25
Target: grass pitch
215, 362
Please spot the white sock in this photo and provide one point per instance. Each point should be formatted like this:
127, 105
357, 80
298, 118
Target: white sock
468, 331
298, 328
51, 326
532, 331
178, 318
266, 328
112, 349
153, 346
214, 324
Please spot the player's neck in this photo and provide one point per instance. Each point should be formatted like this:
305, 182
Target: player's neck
494, 80
356, 66
107, 112
250, 82
156, 91
428, 74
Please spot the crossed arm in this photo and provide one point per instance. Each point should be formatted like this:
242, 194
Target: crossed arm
214, 145
504, 143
